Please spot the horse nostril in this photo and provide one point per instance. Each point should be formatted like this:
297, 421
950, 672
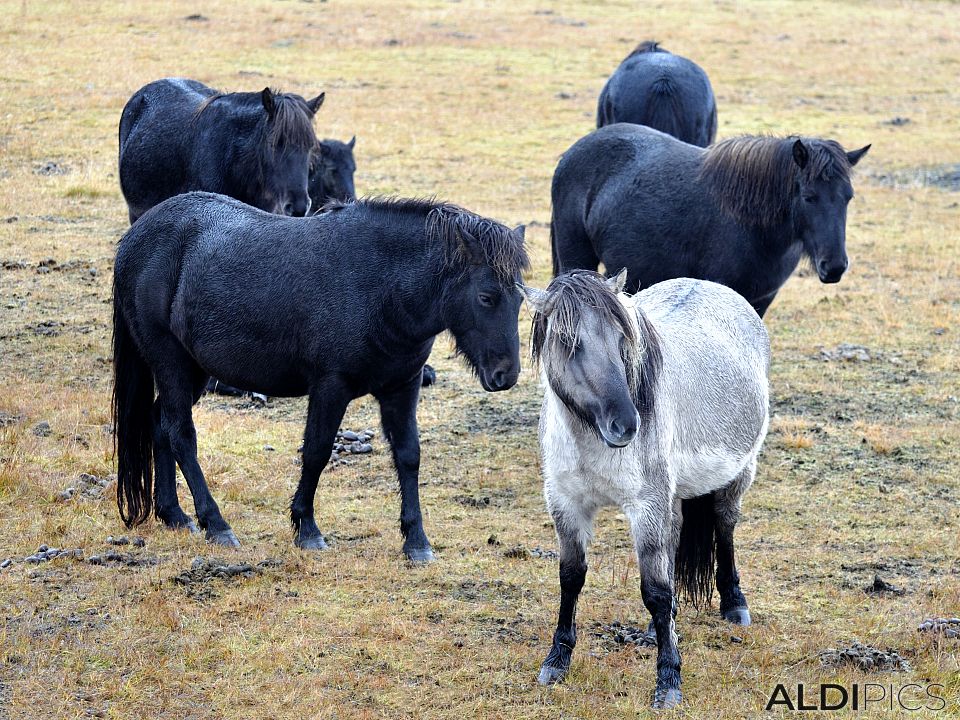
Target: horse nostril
499, 379
288, 209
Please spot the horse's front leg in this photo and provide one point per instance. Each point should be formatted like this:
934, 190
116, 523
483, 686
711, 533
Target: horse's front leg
573, 531
651, 526
326, 406
398, 415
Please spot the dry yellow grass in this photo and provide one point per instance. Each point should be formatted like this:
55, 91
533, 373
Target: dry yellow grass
463, 100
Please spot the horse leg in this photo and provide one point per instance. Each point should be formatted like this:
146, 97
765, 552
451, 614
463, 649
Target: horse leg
733, 605
398, 415
179, 382
573, 531
675, 527
650, 524
165, 501
326, 406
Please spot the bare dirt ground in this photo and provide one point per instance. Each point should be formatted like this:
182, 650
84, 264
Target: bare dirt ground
850, 534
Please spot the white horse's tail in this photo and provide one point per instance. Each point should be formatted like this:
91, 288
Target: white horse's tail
696, 553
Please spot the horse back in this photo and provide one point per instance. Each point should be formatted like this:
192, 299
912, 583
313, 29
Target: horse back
713, 384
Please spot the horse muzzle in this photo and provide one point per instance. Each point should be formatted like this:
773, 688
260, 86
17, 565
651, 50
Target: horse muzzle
502, 376
619, 432
830, 271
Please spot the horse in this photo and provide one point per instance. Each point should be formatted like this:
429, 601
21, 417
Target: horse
178, 135
186, 307
658, 404
331, 172
667, 92
741, 213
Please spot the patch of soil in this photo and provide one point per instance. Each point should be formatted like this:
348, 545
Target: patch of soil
489, 591
118, 559
492, 498
521, 553
865, 658
847, 352
881, 587
8, 419
515, 630
946, 177
51, 168
204, 572
948, 627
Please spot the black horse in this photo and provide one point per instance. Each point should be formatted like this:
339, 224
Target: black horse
187, 307
178, 135
331, 172
741, 213
661, 90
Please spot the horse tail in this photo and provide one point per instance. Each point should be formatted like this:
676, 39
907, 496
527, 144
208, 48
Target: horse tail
696, 553
664, 110
133, 394
553, 243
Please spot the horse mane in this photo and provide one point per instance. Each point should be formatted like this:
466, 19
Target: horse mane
753, 177
292, 123
467, 238
566, 297
647, 46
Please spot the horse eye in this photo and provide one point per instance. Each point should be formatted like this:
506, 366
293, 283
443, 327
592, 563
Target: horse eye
810, 198
485, 300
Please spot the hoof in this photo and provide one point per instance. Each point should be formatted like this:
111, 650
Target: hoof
737, 616
259, 398
314, 542
666, 698
550, 675
429, 376
191, 526
224, 537
419, 556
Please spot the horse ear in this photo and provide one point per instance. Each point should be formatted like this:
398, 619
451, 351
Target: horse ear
618, 281
854, 155
536, 298
315, 104
353, 141
800, 154
521, 232
269, 104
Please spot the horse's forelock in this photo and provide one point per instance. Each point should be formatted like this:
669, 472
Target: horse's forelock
752, 177
291, 124
567, 296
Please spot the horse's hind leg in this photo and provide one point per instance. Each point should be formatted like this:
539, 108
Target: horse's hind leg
733, 605
165, 499
573, 530
179, 382
325, 410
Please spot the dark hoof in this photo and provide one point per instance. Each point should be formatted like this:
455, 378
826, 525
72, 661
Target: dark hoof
314, 542
224, 537
259, 398
181, 523
419, 556
429, 376
665, 699
737, 616
550, 675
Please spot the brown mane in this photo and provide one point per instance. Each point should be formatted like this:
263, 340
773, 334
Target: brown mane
753, 177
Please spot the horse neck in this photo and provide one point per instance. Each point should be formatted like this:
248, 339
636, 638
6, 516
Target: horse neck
243, 158
413, 296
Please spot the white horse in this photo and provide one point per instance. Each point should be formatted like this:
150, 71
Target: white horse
655, 403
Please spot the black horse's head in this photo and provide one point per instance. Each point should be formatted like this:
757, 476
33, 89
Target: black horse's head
288, 139
484, 260
331, 172
820, 203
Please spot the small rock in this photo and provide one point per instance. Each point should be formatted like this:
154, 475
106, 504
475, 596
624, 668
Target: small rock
364, 448
736, 640
6, 563
880, 586
122, 540
95, 560
519, 552
42, 429
269, 448
42, 549
34, 559
350, 436
139, 542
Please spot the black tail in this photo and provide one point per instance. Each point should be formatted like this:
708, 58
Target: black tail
664, 109
553, 244
696, 553
133, 391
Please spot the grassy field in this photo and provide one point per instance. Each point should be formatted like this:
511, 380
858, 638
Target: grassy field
474, 102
